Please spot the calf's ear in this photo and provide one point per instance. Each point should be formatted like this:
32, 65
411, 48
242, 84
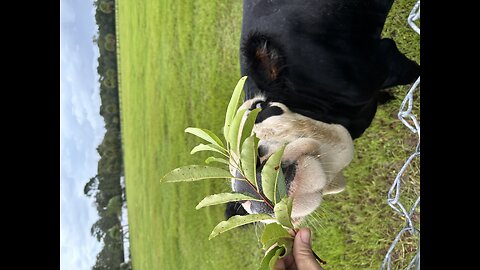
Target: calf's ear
264, 60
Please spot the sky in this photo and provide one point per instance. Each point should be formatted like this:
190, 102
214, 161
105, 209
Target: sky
81, 131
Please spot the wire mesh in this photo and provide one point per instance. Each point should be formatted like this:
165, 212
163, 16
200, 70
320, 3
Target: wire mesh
408, 118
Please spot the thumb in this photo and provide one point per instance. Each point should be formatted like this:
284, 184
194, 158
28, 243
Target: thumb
302, 251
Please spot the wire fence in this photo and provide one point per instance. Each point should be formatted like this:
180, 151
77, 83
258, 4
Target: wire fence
409, 119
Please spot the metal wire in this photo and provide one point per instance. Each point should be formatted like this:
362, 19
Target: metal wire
409, 119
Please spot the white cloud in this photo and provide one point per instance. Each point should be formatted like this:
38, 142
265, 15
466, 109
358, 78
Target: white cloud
67, 12
84, 97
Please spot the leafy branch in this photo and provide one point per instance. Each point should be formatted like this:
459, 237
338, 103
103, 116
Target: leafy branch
240, 151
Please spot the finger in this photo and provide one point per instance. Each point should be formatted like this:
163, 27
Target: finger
280, 265
290, 262
302, 251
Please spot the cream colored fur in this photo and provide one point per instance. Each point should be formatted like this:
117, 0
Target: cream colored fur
321, 151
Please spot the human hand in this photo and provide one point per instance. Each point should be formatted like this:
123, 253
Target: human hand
301, 257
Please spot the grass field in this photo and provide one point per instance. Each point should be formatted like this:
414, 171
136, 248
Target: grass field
178, 63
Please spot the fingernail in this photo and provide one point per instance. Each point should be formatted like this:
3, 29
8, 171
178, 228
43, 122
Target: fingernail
305, 236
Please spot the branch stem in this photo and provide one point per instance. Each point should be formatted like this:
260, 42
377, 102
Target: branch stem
238, 167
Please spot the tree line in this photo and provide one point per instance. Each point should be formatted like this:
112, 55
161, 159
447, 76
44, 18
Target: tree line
105, 187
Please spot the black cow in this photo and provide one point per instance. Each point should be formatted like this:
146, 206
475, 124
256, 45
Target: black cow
320, 66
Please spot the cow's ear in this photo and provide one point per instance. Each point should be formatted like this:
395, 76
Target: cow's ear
264, 60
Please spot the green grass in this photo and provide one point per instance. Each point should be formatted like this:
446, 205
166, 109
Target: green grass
178, 63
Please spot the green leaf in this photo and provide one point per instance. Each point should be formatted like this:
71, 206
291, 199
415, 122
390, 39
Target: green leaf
270, 173
265, 264
207, 147
215, 159
194, 173
283, 211
233, 138
233, 105
272, 233
248, 157
278, 254
225, 198
283, 241
237, 221
280, 187
287, 243
248, 125
206, 135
